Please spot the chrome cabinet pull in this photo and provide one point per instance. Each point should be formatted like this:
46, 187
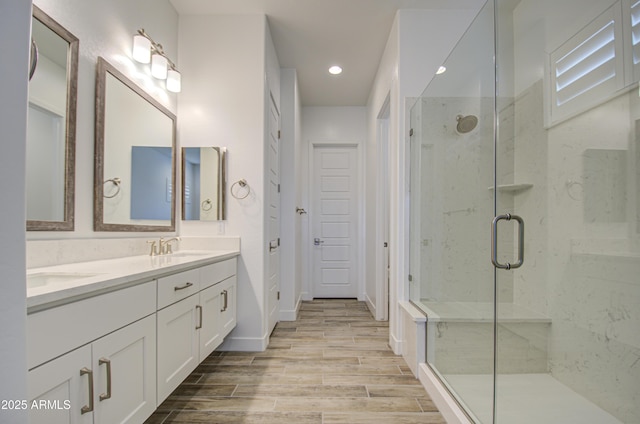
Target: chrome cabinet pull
199, 309
494, 241
88, 408
225, 294
107, 362
182, 287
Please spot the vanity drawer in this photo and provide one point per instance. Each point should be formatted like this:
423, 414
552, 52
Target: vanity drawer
58, 330
215, 273
173, 288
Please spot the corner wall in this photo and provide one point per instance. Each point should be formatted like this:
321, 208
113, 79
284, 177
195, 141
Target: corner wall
222, 103
15, 27
419, 42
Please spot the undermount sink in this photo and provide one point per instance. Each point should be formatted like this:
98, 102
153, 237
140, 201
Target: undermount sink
48, 278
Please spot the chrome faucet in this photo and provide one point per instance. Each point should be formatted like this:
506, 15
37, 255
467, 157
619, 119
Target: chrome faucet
165, 245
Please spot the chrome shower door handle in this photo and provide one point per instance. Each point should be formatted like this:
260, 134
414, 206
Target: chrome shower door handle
494, 241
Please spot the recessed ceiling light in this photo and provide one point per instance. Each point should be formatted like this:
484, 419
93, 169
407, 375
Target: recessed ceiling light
441, 70
335, 70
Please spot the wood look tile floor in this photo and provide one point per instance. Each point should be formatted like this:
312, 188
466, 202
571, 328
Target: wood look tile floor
331, 366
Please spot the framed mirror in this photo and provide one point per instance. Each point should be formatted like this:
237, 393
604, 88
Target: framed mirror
51, 131
204, 183
134, 176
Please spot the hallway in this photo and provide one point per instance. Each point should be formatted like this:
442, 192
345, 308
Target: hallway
333, 365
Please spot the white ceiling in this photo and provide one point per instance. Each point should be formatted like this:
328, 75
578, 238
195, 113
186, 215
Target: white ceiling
311, 35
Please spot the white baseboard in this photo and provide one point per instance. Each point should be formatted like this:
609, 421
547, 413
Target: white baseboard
371, 306
395, 344
447, 406
290, 314
306, 296
244, 344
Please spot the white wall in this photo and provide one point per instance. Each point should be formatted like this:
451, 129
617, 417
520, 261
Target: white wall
337, 125
419, 42
290, 256
15, 24
222, 103
106, 29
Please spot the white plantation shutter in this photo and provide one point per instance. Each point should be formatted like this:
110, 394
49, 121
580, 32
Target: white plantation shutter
589, 67
635, 38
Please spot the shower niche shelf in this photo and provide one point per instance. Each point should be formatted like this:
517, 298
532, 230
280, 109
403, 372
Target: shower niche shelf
512, 188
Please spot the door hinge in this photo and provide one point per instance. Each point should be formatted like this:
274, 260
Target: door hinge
278, 134
411, 132
278, 241
410, 277
278, 295
278, 188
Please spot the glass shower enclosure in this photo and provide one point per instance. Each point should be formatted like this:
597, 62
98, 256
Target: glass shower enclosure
525, 214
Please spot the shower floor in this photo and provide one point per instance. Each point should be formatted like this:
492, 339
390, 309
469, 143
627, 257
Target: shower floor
527, 399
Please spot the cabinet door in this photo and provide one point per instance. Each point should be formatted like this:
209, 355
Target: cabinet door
209, 322
124, 364
177, 345
227, 289
60, 391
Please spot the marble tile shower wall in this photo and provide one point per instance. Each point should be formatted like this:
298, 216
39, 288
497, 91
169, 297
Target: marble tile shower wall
582, 274
457, 202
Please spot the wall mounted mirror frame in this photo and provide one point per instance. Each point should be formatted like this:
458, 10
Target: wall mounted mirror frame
56, 212
204, 182
117, 119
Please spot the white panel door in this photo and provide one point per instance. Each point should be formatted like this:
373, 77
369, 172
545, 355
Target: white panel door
273, 288
335, 221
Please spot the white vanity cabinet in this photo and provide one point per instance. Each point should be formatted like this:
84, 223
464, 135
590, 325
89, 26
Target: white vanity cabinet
113, 354
112, 378
192, 327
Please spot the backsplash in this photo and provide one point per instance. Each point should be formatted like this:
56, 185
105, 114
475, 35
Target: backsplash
42, 253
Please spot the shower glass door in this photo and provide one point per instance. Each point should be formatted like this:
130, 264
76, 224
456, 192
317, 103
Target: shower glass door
452, 205
568, 320
553, 146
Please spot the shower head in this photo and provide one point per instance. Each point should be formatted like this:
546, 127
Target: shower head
466, 123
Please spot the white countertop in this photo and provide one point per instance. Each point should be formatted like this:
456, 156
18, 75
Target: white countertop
86, 279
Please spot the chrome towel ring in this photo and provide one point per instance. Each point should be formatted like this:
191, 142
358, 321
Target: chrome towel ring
243, 185
206, 205
116, 182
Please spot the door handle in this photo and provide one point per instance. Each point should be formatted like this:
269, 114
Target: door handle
199, 309
317, 241
272, 246
494, 241
107, 395
89, 407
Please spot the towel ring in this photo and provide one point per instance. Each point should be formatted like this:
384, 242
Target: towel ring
243, 185
206, 205
116, 182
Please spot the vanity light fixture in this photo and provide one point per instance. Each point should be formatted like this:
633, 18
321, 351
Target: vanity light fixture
146, 50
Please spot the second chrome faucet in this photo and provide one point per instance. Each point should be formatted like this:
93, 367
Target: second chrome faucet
162, 246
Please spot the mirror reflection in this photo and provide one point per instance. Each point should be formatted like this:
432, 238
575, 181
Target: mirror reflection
51, 125
203, 183
135, 157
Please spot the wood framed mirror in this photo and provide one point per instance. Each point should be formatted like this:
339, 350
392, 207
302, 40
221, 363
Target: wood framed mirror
51, 131
135, 157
